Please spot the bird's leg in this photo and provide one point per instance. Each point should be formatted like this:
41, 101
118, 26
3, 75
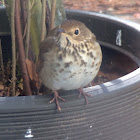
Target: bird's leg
81, 92
55, 98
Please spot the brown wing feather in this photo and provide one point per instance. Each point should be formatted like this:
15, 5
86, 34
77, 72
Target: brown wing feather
45, 46
39, 66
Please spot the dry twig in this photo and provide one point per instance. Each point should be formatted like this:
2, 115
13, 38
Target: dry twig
24, 71
13, 48
2, 66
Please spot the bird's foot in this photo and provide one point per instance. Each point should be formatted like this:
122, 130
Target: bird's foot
55, 98
81, 92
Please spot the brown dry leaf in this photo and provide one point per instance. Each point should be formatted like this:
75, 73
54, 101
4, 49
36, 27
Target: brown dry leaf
17, 93
1, 87
20, 85
32, 73
30, 68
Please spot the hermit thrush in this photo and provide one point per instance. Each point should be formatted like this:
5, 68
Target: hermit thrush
69, 58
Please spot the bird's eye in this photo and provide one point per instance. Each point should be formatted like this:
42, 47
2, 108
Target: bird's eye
76, 32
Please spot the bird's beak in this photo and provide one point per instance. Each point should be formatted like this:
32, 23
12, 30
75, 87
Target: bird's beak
60, 31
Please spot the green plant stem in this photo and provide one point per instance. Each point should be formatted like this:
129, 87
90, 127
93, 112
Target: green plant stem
52, 16
47, 20
36, 12
13, 48
26, 81
43, 27
28, 27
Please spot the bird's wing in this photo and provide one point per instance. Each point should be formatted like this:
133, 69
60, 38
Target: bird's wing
39, 66
45, 46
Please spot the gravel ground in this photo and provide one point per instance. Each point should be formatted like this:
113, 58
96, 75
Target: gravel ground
126, 9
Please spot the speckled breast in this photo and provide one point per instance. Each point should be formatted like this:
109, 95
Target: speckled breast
72, 67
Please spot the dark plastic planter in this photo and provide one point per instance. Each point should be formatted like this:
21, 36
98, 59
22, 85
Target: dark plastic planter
113, 113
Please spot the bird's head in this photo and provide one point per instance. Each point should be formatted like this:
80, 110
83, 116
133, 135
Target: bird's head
75, 31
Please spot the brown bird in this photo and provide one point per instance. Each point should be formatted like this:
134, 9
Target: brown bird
69, 58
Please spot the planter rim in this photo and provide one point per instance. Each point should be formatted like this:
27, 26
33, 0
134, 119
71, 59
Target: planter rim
105, 88
129, 23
